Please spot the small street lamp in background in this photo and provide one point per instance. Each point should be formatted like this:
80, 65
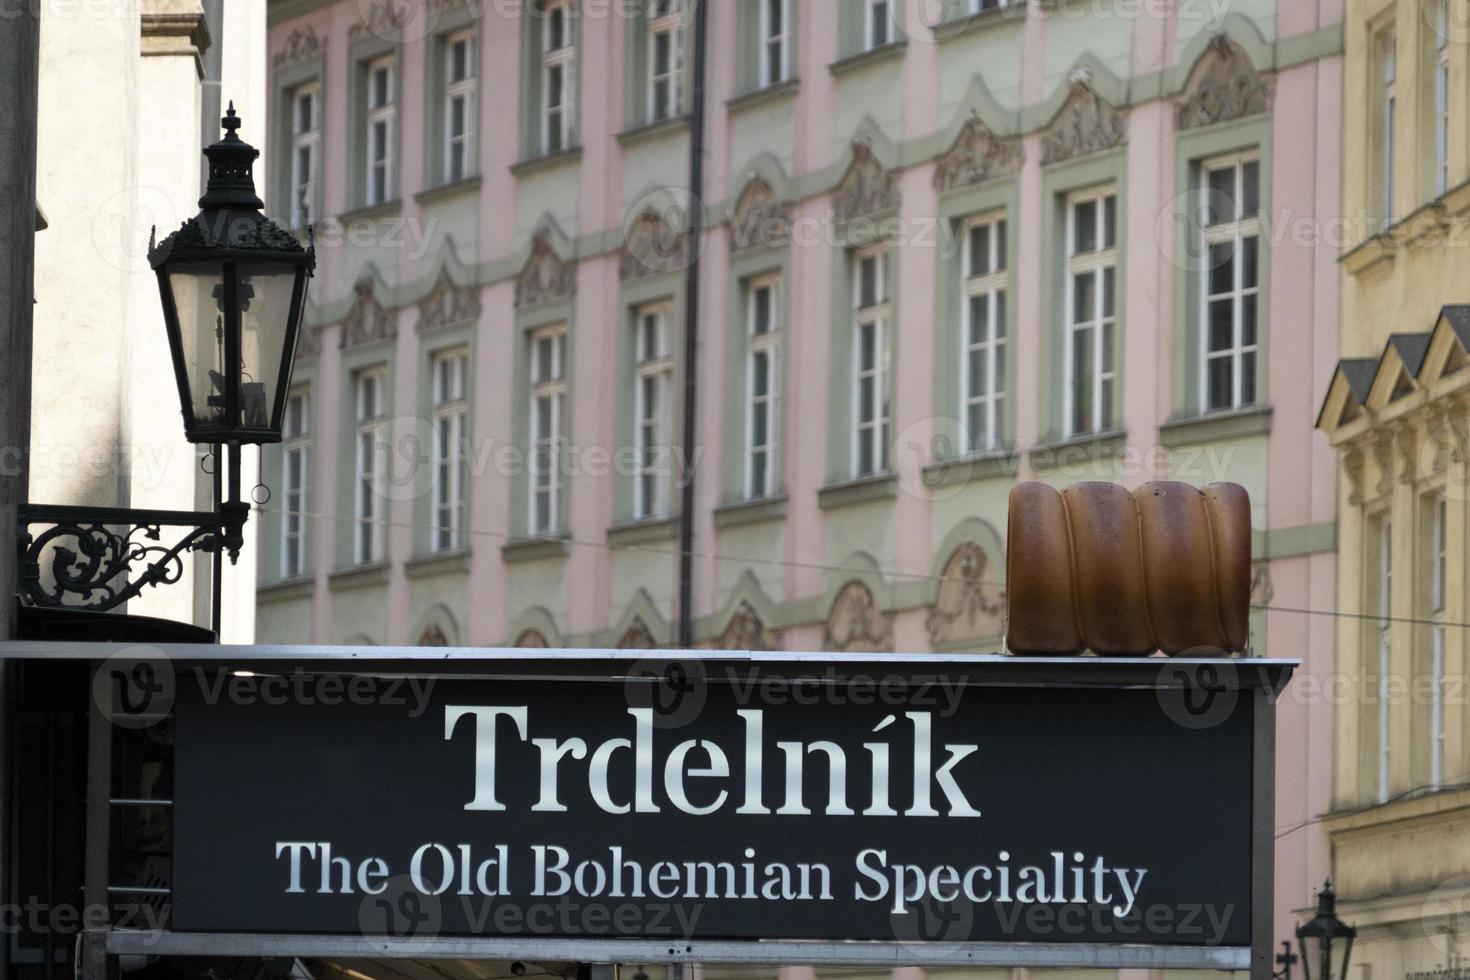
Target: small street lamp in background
233, 287
1317, 937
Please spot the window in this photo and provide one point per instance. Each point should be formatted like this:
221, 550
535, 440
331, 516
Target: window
380, 130
1092, 258
306, 139
371, 461
983, 311
449, 371
295, 460
1388, 70
980, 6
1383, 599
1437, 568
870, 362
548, 432
877, 23
558, 61
459, 104
1230, 228
665, 58
651, 412
763, 324
1441, 97
775, 41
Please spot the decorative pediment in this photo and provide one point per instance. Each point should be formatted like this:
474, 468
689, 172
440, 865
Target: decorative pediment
747, 632
366, 321
856, 624
1223, 85
977, 155
652, 247
433, 636
968, 607
531, 639
866, 188
760, 218
383, 18
1086, 124
544, 276
302, 44
636, 637
447, 303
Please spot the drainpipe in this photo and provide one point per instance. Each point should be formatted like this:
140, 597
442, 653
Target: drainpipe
691, 326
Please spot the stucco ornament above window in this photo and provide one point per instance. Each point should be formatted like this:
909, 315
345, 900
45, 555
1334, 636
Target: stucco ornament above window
1085, 124
652, 247
747, 632
302, 44
531, 639
367, 321
856, 624
433, 636
977, 155
968, 607
382, 18
760, 218
866, 188
636, 637
447, 303
1223, 85
544, 276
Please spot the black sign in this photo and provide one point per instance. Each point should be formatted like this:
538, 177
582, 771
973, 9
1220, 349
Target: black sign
729, 808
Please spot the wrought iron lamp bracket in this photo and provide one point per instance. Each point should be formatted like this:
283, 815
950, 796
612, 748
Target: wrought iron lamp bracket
100, 557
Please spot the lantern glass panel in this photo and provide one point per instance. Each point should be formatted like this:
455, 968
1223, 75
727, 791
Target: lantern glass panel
198, 290
265, 312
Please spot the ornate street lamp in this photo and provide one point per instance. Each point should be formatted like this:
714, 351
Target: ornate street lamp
1317, 936
233, 286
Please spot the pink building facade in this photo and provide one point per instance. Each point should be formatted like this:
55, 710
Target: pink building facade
946, 246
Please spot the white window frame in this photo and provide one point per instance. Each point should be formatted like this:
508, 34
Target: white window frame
385, 114
653, 366
873, 19
762, 345
987, 397
1442, 99
305, 139
564, 60
666, 19
871, 433
370, 467
460, 91
1385, 651
1438, 566
777, 37
545, 472
1236, 232
295, 482
1388, 70
1094, 264
449, 382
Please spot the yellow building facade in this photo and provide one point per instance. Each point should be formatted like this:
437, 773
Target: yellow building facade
1398, 411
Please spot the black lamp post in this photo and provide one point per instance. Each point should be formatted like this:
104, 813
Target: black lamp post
1317, 937
233, 286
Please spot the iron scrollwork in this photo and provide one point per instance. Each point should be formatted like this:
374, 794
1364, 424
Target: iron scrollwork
99, 558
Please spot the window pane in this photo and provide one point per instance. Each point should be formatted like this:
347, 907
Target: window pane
1222, 394
1110, 221
1107, 292
998, 329
1084, 224
1220, 198
1248, 320
979, 382
1222, 327
762, 310
1082, 380
1249, 270
979, 319
760, 380
1251, 190
868, 281
1248, 378
1222, 268
1083, 307
1000, 245
979, 250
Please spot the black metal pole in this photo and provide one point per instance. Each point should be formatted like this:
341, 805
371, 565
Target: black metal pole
691, 327
216, 587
